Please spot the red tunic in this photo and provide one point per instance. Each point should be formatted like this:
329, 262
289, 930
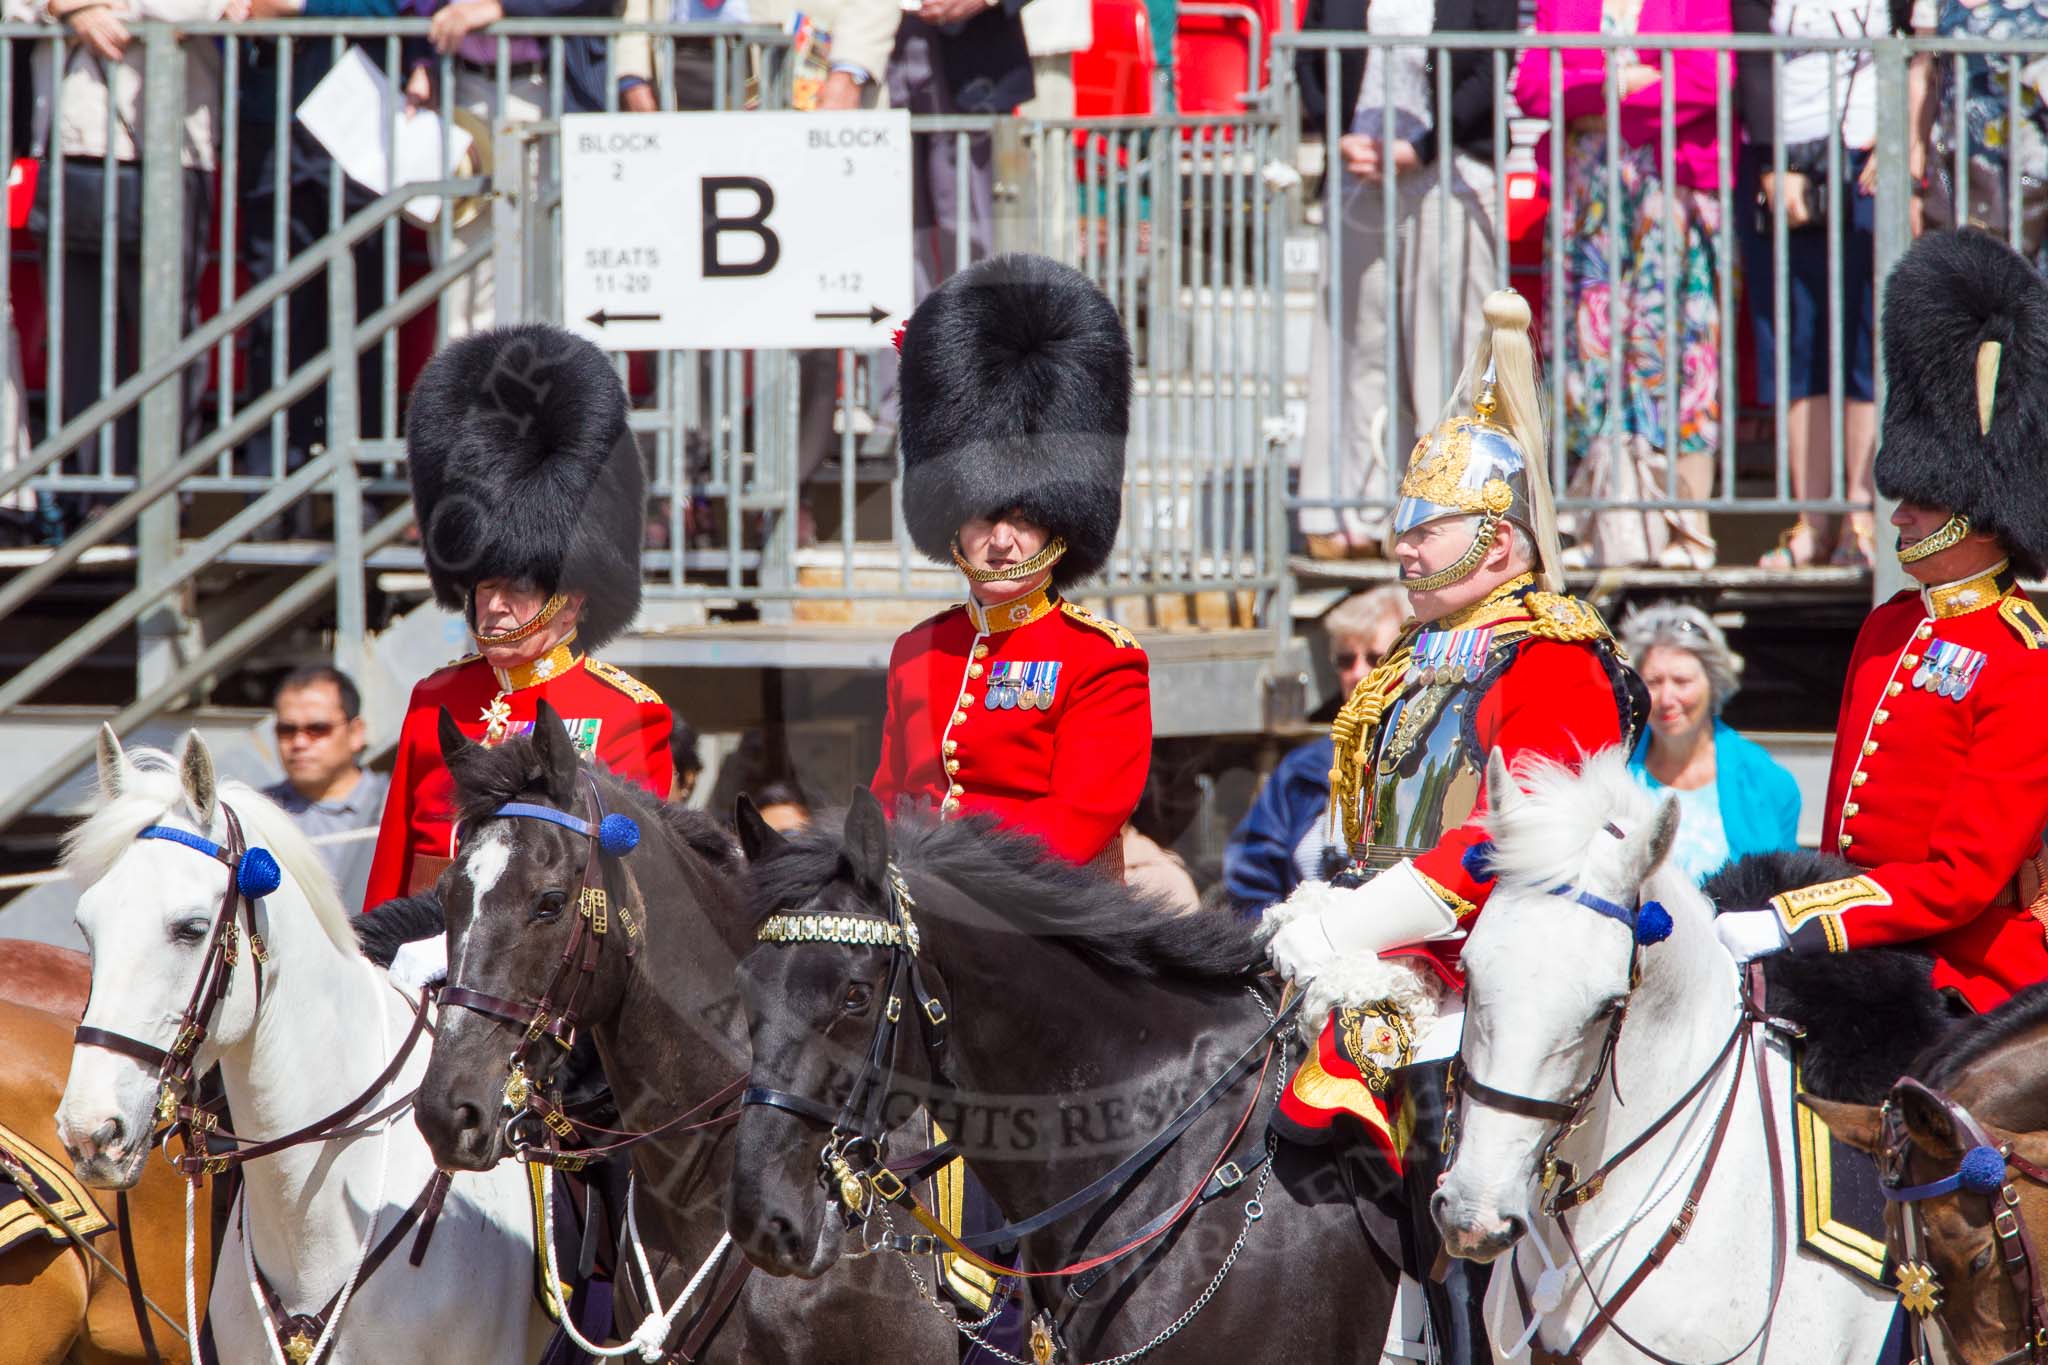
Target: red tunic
1046, 723
615, 719
1942, 799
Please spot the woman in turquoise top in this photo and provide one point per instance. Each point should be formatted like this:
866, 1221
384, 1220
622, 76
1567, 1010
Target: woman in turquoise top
1733, 798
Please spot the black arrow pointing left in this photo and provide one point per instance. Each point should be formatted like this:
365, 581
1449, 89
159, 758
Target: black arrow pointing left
872, 314
600, 317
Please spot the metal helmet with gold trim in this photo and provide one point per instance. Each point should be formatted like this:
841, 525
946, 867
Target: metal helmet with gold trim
1485, 459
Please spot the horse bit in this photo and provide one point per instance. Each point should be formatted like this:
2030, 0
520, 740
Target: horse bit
1984, 1169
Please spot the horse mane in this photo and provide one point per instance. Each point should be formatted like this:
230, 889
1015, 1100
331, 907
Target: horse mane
154, 789
1976, 1037
1015, 878
1541, 841
515, 769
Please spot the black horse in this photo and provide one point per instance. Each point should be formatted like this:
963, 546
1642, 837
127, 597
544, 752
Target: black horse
1078, 1019
664, 1018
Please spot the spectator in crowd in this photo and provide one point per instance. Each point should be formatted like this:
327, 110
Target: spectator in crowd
459, 31
1311, 66
783, 803
318, 715
1440, 259
682, 752
951, 57
695, 65
1640, 323
1733, 798
102, 178
2005, 132
1828, 98
297, 168
1285, 838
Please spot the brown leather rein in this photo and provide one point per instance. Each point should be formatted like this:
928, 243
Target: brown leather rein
1987, 1169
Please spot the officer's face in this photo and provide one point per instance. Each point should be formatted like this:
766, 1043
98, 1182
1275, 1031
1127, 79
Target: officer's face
999, 543
1917, 521
504, 605
1436, 545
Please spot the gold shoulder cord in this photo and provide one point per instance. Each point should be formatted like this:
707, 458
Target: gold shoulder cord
1351, 735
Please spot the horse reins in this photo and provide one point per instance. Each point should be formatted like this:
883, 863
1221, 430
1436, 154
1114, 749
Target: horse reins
1567, 1191
1983, 1169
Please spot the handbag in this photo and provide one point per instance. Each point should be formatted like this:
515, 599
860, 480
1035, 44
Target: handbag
1809, 160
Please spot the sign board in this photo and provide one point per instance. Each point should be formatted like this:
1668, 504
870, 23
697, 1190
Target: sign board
736, 230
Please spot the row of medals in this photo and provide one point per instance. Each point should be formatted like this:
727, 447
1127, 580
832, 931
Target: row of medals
1014, 696
1445, 657
1948, 670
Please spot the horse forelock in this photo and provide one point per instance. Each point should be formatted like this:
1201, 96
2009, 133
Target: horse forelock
1543, 839
153, 793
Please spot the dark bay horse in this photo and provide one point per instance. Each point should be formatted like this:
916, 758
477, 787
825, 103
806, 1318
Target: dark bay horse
1053, 1022
664, 1017
1971, 1261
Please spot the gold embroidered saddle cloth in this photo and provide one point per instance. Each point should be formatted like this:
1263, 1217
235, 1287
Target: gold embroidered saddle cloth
54, 1185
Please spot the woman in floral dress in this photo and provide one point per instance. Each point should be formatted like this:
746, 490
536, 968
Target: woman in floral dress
1632, 316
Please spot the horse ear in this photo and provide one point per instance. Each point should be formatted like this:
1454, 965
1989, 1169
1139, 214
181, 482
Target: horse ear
195, 771
1644, 851
558, 757
1502, 795
867, 838
1859, 1125
112, 760
1932, 1127
454, 744
758, 838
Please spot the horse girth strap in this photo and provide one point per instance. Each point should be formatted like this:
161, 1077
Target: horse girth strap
285, 1323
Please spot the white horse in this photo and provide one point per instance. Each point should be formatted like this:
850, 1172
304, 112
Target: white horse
327, 1024
1578, 856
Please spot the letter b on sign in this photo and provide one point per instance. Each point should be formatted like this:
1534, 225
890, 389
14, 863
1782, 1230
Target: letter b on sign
752, 223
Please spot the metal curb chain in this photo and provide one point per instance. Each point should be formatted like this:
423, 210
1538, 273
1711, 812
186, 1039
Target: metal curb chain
1254, 1210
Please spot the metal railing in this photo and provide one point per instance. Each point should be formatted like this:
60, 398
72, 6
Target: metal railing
1813, 458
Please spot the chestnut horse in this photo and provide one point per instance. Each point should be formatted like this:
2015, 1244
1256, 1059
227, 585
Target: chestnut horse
58, 1303
1971, 1269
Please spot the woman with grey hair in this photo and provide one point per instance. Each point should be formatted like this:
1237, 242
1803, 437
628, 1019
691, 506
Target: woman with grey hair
1733, 797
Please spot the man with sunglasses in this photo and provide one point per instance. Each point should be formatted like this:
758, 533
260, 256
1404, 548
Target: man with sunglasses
531, 499
319, 727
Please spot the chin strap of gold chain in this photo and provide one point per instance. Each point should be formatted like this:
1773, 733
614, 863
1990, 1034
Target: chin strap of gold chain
1037, 564
555, 603
1952, 533
1482, 541
1351, 736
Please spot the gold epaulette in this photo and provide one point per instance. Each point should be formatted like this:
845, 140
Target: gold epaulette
621, 679
1121, 637
1555, 616
457, 663
2026, 620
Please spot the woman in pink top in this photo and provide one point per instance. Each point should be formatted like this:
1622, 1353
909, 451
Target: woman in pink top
1621, 432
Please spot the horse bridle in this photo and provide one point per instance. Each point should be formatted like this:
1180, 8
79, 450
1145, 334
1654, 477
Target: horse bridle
553, 1017
858, 1125
252, 874
1985, 1168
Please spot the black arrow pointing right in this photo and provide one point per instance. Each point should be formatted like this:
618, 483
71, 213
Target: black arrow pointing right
872, 314
600, 317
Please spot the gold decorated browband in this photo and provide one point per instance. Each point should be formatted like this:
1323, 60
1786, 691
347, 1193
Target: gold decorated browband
855, 931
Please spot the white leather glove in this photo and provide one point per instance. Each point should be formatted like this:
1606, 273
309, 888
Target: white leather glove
422, 962
1320, 925
1750, 933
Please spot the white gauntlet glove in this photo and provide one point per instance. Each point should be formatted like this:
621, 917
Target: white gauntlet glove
1320, 925
1750, 933
422, 962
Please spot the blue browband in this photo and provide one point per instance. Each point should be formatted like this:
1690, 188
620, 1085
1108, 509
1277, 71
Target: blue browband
616, 834
1649, 922
256, 872
1981, 1171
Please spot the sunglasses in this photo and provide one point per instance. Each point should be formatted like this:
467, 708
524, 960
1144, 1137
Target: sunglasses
1348, 659
319, 729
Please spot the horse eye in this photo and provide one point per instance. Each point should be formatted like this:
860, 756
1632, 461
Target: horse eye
1981, 1262
187, 932
858, 995
549, 905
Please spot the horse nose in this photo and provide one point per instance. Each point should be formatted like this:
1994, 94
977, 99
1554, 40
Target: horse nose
107, 1137
468, 1118
1471, 1235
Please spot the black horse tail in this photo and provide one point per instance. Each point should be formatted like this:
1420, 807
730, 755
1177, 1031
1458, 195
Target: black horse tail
399, 921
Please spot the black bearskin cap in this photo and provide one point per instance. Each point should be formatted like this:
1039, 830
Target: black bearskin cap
522, 467
1016, 393
1949, 294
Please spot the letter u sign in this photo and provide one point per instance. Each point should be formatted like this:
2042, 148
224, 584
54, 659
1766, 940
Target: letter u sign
753, 222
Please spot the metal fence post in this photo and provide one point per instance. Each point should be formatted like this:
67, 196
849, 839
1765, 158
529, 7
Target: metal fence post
351, 616
160, 632
1894, 235
514, 186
